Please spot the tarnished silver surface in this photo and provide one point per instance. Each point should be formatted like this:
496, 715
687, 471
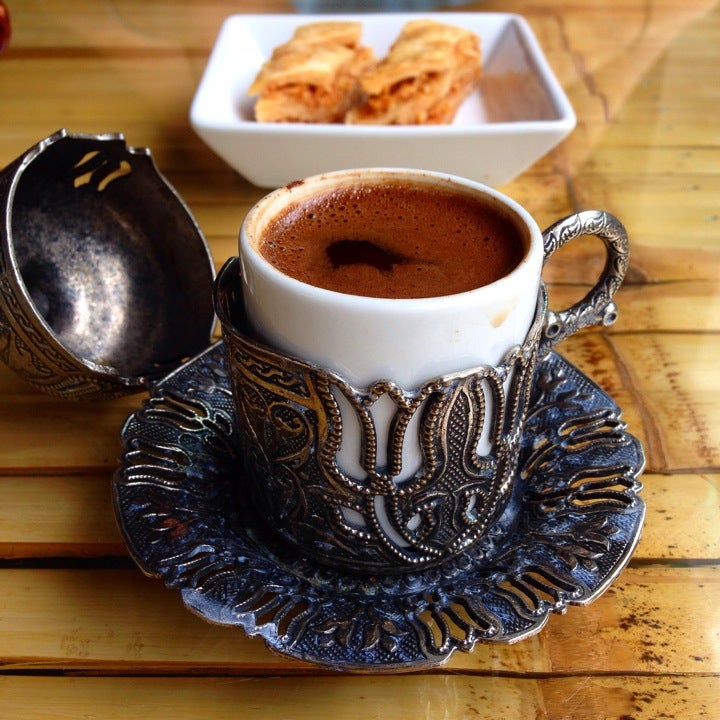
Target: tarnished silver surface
569, 528
105, 278
598, 306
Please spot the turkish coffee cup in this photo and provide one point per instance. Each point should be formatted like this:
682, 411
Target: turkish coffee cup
382, 328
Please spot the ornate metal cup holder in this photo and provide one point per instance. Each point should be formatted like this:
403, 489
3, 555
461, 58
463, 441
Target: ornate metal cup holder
569, 529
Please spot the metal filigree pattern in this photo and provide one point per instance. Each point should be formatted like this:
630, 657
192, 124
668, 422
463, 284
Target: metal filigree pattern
569, 528
291, 427
598, 306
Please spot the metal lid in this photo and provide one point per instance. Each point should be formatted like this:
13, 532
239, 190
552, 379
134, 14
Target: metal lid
105, 277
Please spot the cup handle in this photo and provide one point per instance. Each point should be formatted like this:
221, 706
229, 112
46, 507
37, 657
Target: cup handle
597, 307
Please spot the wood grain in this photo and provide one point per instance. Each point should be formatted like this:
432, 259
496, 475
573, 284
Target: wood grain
82, 522
83, 633
111, 621
481, 698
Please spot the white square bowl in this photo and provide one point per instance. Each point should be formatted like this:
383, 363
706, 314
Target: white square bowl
481, 144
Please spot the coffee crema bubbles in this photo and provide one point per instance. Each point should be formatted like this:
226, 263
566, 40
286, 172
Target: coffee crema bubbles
393, 240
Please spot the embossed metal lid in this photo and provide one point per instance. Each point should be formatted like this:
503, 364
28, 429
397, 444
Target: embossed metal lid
105, 277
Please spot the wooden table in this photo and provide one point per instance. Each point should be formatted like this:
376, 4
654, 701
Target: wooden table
83, 633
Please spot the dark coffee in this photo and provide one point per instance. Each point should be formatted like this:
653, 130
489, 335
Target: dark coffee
394, 240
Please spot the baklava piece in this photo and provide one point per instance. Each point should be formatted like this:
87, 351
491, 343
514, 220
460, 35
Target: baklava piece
312, 78
430, 69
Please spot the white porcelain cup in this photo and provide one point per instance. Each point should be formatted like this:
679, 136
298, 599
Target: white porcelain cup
366, 339
377, 374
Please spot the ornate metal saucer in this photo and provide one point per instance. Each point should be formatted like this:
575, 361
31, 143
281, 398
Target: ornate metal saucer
568, 531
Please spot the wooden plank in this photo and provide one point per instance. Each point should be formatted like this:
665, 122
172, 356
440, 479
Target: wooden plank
45, 434
580, 261
693, 159
57, 516
671, 500
72, 516
406, 698
653, 619
124, 88
668, 388
614, 89
98, 83
112, 621
129, 24
592, 352
545, 197
661, 211
121, 621
623, 698
677, 307
676, 388
352, 697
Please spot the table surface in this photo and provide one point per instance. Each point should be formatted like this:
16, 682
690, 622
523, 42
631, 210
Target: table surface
83, 633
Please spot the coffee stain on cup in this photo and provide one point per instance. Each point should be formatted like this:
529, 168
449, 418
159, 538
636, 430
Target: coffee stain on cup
500, 317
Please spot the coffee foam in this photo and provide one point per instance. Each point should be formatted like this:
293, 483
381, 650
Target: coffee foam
398, 241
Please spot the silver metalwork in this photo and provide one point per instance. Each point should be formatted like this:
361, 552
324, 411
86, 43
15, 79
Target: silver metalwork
291, 427
105, 278
598, 306
568, 529
372, 518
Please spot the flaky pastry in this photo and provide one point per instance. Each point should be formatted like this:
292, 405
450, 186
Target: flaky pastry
430, 69
314, 76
